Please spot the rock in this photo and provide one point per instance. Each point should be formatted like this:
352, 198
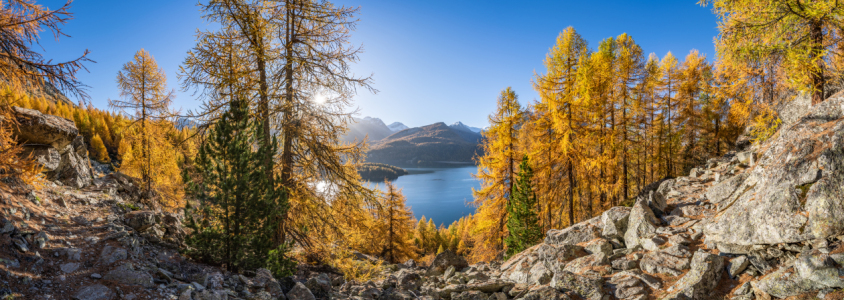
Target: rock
126, 274
141, 221
45, 155
75, 168
444, 260
264, 279
737, 265
746, 158
544, 292
213, 281
578, 233
110, 255
94, 292
300, 292
37, 128
678, 251
598, 246
721, 191
614, 222
536, 264
652, 243
767, 209
587, 287
659, 262
625, 264
410, 263
627, 287
702, 278
469, 295
96, 276
320, 285
211, 295
585, 263
641, 224
69, 267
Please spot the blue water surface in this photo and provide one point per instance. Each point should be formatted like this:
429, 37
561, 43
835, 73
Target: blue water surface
441, 193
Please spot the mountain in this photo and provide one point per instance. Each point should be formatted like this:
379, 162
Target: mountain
460, 126
435, 143
467, 133
374, 128
397, 126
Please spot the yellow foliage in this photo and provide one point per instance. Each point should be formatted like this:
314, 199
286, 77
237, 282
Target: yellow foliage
100, 153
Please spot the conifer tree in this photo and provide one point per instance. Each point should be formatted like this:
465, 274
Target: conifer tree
143, 86
100, 153
395, 226
523, 223
497, 171
238, 207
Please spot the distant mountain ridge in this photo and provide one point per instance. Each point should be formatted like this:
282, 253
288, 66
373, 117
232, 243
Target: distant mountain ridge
374, 128
435, 143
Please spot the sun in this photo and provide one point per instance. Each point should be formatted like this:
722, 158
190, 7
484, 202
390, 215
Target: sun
320, 99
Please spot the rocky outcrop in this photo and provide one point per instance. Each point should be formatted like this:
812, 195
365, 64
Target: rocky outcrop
795, 190
55, 144
445, 260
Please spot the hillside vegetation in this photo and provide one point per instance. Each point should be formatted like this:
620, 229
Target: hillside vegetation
379, 172
428, 144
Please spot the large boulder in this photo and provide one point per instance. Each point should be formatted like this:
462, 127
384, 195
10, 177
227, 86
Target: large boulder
75, 167
446, 259
704, 275
795, 191
56, 145
141, 220
810, 272
38, 128
578, 233
641, 223
536, 265
94, 292
591, 288
614, 222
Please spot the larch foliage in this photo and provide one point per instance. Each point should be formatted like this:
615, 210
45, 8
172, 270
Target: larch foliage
496, 171
395, 227
801, 35
143, 88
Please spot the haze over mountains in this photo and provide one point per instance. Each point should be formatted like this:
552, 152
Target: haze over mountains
398, 144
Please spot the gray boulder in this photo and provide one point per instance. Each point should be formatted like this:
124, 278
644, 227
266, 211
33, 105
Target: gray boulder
659, 262
578, 233
614, 222
127, 275
704, 275
587, 287
44, 129
444, 260
300, 292
795, 191
140, 220
94, 292
640, 225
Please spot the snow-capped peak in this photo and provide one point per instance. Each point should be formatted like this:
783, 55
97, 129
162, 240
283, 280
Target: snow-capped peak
397, 126
460, 126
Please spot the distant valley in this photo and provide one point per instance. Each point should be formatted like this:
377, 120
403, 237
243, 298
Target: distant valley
398, 144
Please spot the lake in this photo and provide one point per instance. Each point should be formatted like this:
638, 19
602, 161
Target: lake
441, 193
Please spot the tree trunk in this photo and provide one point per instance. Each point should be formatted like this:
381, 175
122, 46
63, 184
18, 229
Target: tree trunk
817, 72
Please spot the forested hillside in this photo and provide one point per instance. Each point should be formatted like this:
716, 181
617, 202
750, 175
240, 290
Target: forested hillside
435, 143
264, 179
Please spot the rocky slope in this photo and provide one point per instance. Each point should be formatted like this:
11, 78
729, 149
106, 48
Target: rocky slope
765, 223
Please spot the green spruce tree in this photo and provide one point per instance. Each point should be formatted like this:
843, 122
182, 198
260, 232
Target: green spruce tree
239, 207
523, 223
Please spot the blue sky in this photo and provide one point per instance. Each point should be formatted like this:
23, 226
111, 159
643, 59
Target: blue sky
433, 61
